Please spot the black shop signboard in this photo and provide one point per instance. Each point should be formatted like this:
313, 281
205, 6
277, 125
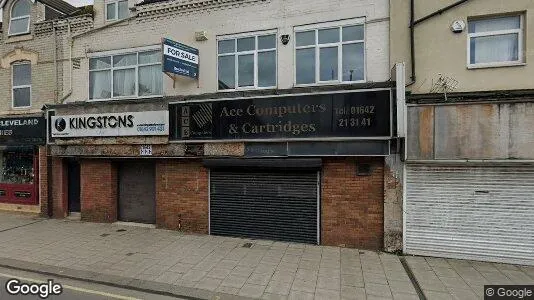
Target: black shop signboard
22, 131
350, 115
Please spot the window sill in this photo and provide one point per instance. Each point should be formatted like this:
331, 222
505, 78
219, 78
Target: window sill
125, 99
19, 38
496, 65
329, 83
247, 89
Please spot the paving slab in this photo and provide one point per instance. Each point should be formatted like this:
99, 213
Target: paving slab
206, 266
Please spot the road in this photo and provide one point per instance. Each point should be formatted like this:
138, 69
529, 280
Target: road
72, 289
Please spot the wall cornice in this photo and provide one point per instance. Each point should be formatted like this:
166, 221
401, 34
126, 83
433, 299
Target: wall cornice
190, 6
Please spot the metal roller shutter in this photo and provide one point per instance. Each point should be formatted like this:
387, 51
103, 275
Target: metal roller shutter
278, 205
471, 212
137, 192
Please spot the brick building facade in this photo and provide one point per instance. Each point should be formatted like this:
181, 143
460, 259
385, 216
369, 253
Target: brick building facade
325, 187
33, 42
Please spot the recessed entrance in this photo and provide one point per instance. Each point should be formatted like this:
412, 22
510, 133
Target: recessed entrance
74, 186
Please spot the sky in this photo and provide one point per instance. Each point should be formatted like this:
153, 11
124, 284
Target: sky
79, 2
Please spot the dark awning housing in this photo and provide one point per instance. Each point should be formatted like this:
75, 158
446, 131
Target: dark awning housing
264, 163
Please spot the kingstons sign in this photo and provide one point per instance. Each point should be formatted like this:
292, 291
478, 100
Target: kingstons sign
113, 124
23, 131
352, 115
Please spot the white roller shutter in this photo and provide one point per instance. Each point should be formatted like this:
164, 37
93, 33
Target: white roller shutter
472, 212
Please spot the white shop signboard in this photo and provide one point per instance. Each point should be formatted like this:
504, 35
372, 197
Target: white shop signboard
111, 124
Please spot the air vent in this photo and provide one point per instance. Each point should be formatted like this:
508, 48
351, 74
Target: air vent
364, 170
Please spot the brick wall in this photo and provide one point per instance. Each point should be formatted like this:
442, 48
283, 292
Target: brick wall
59, 187
98, 190
182, 195
43, 181
352, 206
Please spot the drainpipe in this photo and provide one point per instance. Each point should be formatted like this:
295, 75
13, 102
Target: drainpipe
56, 80
71, 44
412, 38
413, 23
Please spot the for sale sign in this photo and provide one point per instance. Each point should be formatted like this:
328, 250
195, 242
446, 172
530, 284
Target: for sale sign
180, 59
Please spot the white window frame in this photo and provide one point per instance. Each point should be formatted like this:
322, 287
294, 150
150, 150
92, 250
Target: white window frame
136, 66
116, 18
13, 86
236, 54
329, 25
519, 31
19, 18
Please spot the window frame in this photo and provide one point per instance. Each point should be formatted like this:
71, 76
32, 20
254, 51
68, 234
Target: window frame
330, 25
113, 53
237, 53
520, 32
13, 86
11, 18
116, 2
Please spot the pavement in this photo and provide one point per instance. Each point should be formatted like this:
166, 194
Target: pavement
71, 289
172, 263
441, 278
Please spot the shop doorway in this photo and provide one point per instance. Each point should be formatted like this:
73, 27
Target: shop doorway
137, 190
74, 186
261, 204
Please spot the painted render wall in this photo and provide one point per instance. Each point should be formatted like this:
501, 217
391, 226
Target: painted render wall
439, 50
220, 19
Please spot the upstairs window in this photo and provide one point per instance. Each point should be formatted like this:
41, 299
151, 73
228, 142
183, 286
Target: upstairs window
19, 21
135, 74
116, 10
330, 53
495, 41
246, 62
22, 84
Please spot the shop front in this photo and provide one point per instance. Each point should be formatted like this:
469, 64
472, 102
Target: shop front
20, 138
99, 177
304, 168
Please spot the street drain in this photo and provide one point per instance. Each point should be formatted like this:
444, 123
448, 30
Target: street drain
104, 234
247, 245
121, 230
129, 254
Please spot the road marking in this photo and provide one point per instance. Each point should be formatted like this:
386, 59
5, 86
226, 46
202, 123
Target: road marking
87, 291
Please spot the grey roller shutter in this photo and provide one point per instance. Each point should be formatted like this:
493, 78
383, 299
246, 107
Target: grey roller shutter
277, 205
473, 212
137, 192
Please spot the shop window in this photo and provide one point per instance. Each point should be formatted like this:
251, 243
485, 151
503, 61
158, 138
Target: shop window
495, 41
21, 92
16, 166
19, 19
134, 74
116, 10
330, 53
247, 61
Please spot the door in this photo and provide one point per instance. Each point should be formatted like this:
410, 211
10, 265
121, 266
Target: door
74, 186
471, 212
137, 192
278, 205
